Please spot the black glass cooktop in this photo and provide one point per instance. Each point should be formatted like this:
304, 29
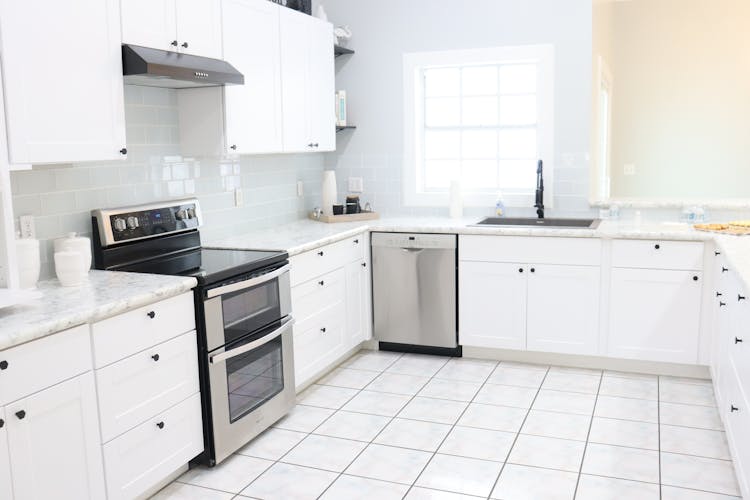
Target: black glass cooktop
216, 264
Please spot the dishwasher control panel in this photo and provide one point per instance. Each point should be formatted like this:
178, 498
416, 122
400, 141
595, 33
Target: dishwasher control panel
416, 240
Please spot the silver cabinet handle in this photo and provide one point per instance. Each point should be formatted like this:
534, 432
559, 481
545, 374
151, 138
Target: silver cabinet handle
242, 285
252, 345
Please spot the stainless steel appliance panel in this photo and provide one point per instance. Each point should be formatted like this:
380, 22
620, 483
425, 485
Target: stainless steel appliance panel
414, 288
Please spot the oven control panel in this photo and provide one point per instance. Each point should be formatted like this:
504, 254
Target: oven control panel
136, 223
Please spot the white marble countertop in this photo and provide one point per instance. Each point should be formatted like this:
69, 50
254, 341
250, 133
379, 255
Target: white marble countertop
106, 294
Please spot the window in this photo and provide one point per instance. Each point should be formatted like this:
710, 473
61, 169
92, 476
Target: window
483, 117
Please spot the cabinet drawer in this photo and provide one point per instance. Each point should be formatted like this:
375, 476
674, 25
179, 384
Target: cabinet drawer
530, 250
121, 336
308, 265
315, 349
145, 384
737, 425
34, 366
652, 254
311, 297
141, 458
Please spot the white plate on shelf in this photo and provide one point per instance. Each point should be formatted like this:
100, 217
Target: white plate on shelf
10, 297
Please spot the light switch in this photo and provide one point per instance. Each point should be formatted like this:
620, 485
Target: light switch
629, 169
356, 185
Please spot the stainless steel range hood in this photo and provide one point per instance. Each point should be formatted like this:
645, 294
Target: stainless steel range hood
162, 68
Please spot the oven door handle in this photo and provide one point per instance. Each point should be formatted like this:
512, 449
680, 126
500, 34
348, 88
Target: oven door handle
218, 358
241, 285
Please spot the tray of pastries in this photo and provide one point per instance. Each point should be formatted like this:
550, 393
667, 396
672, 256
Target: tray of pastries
739, 227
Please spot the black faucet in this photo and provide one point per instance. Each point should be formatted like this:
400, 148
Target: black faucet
539, 205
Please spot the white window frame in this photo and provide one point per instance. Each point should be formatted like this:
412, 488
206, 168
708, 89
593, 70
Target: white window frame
413, 66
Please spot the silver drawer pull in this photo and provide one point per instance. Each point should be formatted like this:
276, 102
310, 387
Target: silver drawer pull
242, 285
218, 358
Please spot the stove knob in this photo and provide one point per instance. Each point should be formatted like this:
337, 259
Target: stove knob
119, 225
181, 214
191, 213
132, 222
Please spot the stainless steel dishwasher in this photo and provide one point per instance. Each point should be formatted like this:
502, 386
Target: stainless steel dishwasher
414, 292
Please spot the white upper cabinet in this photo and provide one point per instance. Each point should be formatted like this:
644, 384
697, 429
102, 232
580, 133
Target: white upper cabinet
307, 78
251, 44
62, 80
187, 26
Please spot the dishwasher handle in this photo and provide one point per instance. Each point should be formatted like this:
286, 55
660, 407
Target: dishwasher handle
412, 250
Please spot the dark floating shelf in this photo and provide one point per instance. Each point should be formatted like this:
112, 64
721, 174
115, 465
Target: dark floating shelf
338, 50
348, 127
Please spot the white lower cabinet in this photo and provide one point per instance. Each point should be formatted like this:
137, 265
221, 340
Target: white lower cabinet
54, 444
655, 314
6, 485
358, 302
318, 342
144, 456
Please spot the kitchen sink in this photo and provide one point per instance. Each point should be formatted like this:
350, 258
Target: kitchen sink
533, 222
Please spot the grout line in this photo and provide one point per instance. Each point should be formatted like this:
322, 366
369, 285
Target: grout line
588, 435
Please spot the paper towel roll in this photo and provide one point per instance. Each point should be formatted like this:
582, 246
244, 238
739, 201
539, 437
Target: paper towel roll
329, 191
28, 261
456, 200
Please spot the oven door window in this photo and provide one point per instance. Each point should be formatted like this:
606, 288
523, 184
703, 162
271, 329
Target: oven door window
249, 310
254, 377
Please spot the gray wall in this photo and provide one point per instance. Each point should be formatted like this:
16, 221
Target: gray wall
62, 197
386, 29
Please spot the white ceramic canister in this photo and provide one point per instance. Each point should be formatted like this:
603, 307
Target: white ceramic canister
70, 268
73, 243
28, 262
329, 191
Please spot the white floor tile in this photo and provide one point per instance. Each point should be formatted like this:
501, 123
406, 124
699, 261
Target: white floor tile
672, 493
633, 375
689, 441
691, 394
349, 425
517, 376
396, 383
625, 433
349, 378
607, 488
641, 410
478, 443
359, 488
326, 396
450, 389
377, 403
559, 425
519, 482
621, 462
565, 402
232, 475
371, 360
525, 366
180, 491
466, 370
497, 418
325, 452
571, 382
506, 395
595, 372
290, 482
418, 493
630, 388
687, 380
387, 463
413, 434
460, 475
272, 444
304, 418
551, 453
418, 364
441, 411
707, 474
703, 417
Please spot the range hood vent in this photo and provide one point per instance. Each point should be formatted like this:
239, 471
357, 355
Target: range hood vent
162, 68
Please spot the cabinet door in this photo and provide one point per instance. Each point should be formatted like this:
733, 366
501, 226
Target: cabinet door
53, 436
199, 27
295, 91
6, 487
358, 323
655, 315
563, 309
322, 87
251, 44
149, 23
80, 115
492, 305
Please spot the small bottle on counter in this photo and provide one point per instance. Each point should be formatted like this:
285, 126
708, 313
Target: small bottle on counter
499, 205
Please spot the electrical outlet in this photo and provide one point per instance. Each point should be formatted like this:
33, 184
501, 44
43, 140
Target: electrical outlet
239, 198
28, 229
300, 189
356, 185
629, 169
